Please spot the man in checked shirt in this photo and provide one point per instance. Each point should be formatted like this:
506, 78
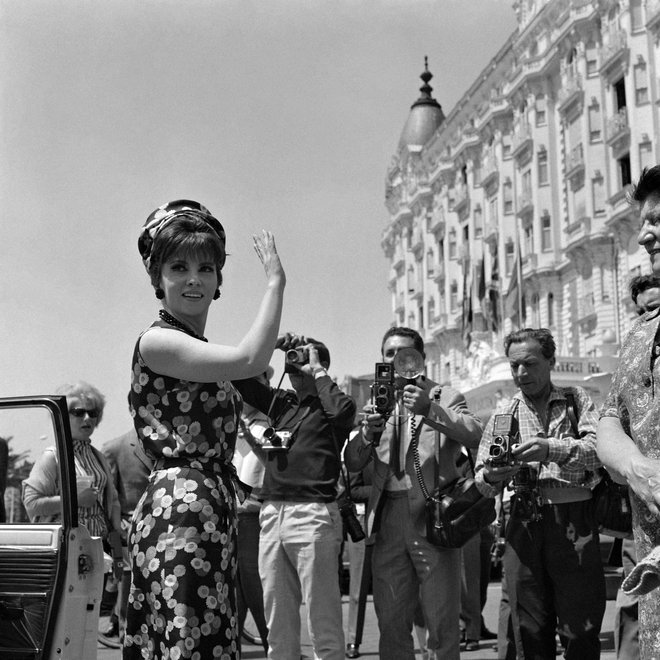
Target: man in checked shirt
552, 558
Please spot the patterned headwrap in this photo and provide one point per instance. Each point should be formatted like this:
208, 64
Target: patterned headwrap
166, 213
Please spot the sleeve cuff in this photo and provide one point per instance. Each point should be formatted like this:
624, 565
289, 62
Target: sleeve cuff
555, 450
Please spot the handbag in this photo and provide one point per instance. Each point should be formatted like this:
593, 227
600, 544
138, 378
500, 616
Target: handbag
456, 511
611, 506
611, 501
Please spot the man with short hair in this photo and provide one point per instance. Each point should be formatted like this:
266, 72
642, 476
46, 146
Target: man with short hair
301, 527
552, 558
406, 568
645, 293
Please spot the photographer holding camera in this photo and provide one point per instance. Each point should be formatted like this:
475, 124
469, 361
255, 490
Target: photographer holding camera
406, 568
545, 441
301, 527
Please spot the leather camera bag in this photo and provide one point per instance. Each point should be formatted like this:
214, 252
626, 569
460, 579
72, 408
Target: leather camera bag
611, 501
456, 511
612, 507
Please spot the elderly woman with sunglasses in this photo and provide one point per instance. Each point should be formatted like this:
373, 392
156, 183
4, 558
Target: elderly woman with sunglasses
98, 503
182, 602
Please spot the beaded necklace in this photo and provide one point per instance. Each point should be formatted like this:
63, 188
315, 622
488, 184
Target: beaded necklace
174, 322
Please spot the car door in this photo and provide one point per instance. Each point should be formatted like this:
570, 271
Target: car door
51, 573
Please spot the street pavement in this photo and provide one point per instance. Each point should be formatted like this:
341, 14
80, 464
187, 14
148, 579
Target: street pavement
369, 646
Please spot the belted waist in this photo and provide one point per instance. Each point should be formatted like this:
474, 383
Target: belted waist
395, 493
565, 495
208, 464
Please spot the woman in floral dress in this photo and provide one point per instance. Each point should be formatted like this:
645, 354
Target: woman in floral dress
629, 428
182, 542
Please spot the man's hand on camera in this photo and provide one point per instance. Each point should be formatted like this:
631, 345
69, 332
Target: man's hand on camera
372, 423
536, 449
416, 400
497, 474
314, 364
289, 340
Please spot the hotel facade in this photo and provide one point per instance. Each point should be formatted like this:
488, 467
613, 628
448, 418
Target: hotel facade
512, 210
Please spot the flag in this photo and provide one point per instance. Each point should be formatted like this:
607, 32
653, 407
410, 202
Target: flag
514, 302
483, 297
467, 307
494, 292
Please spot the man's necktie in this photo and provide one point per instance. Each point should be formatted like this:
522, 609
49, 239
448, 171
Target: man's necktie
395, 445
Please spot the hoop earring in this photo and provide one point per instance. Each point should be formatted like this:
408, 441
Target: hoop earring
217, 294
160, 294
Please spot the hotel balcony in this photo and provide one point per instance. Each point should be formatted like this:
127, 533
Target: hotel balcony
489, 170
614, 51
618, 132
522, 142
525, 205
578, 232
586, 310
571, 92
575, 162
461, 200
491, 232
652, 14
417, 244
529, 264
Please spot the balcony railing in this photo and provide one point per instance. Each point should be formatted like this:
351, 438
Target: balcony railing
586, 306
575, 161
570, 90
525, 203
522, 138
617, 125
615, 45
489, 169
652, 12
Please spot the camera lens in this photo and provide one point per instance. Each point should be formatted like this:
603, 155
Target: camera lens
269, 433
496, 451
292, 355
498, 440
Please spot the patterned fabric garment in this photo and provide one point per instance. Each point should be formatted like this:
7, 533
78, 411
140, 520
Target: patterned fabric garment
86, 463
633, 399
571, 461
182, 542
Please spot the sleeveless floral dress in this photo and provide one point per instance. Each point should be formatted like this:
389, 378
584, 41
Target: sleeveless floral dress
182, 541
634, 398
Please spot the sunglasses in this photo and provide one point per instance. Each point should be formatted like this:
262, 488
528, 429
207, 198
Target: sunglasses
81, 412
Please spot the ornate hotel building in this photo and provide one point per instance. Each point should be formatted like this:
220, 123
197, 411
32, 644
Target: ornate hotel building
535, 159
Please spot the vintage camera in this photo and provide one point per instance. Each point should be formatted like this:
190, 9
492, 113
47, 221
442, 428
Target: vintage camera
505, 437
295, 356
276, 440
351, 523
383, 395
528, 501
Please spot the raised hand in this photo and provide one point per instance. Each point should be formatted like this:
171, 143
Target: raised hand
264, 246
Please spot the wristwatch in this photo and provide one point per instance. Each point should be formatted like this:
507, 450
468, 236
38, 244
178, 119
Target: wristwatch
320, 372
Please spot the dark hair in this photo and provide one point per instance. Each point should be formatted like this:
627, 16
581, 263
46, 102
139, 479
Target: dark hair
400, 331
641, 283
322, 350
185, 234
542, 335
647, 184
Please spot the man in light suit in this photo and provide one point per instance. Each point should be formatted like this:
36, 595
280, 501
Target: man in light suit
406, 567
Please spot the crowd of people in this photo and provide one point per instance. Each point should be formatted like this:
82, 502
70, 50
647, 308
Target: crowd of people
226, 492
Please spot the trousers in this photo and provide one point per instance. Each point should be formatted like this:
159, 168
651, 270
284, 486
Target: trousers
555, 582
299, 562
407, 569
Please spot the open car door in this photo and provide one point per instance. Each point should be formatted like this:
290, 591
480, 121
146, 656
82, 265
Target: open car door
51, 575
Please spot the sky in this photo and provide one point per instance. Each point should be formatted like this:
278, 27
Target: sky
276, 114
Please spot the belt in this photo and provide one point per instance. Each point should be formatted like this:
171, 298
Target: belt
565, 495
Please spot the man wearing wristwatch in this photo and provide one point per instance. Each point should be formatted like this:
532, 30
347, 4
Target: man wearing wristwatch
406, 568
301, 527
